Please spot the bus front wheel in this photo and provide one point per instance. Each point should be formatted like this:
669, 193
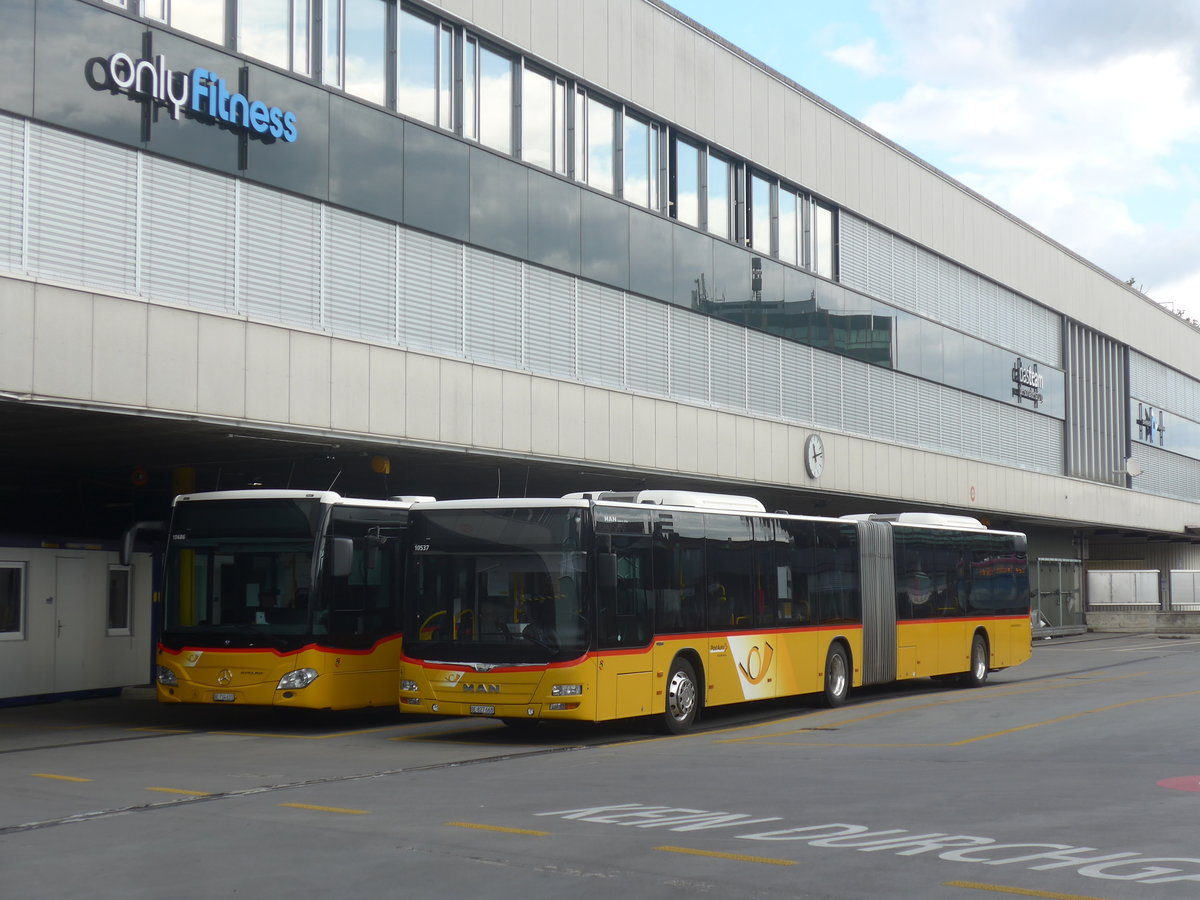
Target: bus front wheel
837, 676
978, 673
682, 700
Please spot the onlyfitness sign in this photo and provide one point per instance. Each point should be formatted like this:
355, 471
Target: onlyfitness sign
199, 93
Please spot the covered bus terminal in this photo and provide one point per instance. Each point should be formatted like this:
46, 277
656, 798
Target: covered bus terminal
317, 280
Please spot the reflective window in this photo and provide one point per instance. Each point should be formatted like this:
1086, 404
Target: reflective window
789, 207
720, 189
601, 124
759, 219
470, 127
641, 162
446, 77
543, 121
822, 240
366, 49
331, 45
203, 18
495, 93
416, 75
119, 618
301, 46
687, 183
12, 600
264, 27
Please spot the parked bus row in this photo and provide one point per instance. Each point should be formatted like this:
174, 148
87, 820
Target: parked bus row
593, 606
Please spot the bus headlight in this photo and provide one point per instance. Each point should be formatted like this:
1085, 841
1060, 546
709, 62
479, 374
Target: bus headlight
300, 678
166, 677
566, 690
410, 686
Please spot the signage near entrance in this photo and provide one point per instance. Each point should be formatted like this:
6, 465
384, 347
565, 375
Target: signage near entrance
199, 93
1027, 383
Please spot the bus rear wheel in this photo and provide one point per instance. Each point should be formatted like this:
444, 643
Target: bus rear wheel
837, 676
682, 698
978, 673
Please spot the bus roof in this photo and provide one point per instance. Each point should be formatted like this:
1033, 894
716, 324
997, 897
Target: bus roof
328, 497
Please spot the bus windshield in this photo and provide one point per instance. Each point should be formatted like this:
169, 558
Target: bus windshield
241, 567
496, 585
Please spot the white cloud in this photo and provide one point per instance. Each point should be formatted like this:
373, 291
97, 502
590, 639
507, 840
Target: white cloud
1072, 115
862, 57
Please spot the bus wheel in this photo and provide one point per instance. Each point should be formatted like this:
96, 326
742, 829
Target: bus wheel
978, 672
683, 698
837, 676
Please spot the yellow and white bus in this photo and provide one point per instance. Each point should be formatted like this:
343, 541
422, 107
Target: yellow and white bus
603, 605
282, 598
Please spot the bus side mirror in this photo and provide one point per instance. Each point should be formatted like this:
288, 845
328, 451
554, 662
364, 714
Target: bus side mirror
131, 535
343, 556
606, 570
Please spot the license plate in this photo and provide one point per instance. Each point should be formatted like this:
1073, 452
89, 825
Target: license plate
483, 710
224, 698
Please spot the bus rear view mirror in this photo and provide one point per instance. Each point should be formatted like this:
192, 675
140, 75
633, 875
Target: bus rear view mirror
606, 566
343, 556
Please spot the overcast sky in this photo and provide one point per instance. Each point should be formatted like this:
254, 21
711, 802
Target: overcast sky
1081, 117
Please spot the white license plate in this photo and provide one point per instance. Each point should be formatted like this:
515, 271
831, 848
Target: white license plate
483, 710
224, 698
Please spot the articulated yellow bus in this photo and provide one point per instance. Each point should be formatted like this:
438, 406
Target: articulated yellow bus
282, 598
603, 605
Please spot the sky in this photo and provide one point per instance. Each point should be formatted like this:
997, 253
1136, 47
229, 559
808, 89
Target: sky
1080, 117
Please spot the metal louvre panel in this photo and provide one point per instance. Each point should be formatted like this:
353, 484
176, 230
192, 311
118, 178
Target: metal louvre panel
688, 355
279, 257
82, 211
1045, 339
602, 338
431, 293
878, 601
360, 276
796, 379
989, 303
950, 404
550, 322
930, 415
763, 390
929, 276
189, 235
856, 396
881, 403
853, 268
970, 310
1167, 474
879, 262
973, 425
492, 309
827, 389
647, 337
947, 308
905, 286
907, 409
12, 192
728, 368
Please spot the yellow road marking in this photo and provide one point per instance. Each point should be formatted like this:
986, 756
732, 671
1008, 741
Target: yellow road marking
479, 827
736, 856
298, 737
165, 730
1024, 892
58, 777
336, 809
179, 791
892, 711
1067, 718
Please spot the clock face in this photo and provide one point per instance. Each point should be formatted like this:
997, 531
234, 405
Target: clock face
814, 455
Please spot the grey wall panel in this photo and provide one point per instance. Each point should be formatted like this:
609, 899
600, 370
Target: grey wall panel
189, 234
279, 257
12, 193
82, 210
360, 276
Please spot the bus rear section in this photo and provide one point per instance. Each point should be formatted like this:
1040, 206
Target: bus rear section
282, 598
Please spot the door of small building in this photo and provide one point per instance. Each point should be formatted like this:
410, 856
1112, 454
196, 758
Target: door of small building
70, 624
1058, 598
